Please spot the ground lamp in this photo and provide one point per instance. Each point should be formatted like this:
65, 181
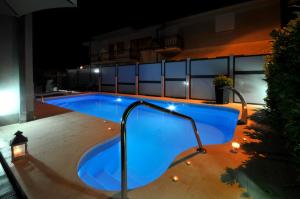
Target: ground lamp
235, 146
18, 146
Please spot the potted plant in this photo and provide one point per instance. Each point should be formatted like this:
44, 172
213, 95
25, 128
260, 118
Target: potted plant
222, 95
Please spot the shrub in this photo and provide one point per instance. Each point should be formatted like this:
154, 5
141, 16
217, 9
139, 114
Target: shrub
222, 80
282, 73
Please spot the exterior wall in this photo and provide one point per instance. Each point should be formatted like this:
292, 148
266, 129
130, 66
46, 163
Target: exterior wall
16, 74
247, 33
253, 23
9, 71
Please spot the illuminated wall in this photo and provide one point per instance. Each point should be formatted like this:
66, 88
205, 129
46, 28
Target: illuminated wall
9, 71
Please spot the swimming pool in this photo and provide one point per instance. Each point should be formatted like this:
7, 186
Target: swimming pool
154, 139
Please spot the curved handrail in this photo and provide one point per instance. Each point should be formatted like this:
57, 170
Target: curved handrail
124, 142
244, 115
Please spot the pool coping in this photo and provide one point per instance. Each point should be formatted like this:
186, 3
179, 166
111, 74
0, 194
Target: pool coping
213, 150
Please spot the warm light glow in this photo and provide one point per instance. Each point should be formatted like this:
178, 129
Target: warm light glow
171, 107
19, 150
245, 139
188, 163
235, 145
118, 100
109, 128
9, 102
175, 178
96, 70
81, 67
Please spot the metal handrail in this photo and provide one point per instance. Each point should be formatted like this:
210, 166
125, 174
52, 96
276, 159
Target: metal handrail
124, 142
244, 115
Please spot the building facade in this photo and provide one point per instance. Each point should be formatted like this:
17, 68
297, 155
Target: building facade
242, 29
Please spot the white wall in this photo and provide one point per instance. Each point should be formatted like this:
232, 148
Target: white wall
9, 71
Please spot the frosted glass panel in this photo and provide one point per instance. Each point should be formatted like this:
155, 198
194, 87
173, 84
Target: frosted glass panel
150, 72
253, 63
175, 69
252, 87
202, 88
150, 89
130, 89
110, 89
108, 75
175, 89
209, 67
126, 74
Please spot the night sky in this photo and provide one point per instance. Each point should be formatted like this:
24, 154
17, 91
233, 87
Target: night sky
59, 33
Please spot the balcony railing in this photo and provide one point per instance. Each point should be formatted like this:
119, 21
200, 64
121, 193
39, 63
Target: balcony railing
124, 55
170, 44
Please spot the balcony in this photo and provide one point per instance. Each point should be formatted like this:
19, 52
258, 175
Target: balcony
124, 56
169, 45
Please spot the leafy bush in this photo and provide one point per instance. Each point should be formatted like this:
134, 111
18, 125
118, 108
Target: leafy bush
282, 72
222, 80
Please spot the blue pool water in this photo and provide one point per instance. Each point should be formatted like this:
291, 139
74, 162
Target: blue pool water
154, 139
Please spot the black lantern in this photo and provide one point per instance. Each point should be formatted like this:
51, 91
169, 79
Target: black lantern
18, 146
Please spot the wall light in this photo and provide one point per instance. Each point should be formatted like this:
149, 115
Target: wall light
96, 70
9, 102
81, 67
186, 83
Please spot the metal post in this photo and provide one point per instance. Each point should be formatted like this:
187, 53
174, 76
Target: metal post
116, 79
137, 79
100, 78
188, 79
231, 73
163, 78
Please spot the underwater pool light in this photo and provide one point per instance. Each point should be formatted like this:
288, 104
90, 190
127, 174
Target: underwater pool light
118, 100
171, 107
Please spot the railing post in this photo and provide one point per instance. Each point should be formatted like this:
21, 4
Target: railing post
163, 62
100, 79
116, 78
188, 79
137, 79
123, 159
231, 73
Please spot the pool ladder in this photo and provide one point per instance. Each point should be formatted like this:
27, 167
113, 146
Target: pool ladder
244, 114
126, 113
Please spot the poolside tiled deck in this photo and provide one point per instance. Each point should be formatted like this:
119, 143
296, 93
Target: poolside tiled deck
57, 143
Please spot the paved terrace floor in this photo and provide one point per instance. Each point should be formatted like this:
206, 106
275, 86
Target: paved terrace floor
57, 143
